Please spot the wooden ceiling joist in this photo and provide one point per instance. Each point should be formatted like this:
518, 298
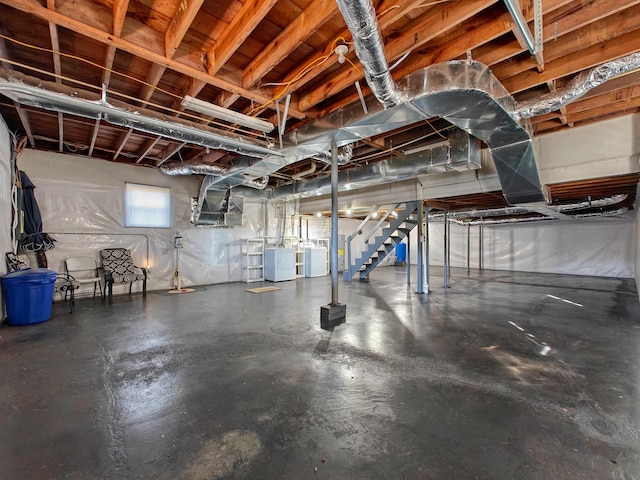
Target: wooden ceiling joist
180, 23
60, 132
575, 62
148, 145
140, 42
220, 51
441, 18
169, 152
305, 24
122, 141
603, 30
94, 137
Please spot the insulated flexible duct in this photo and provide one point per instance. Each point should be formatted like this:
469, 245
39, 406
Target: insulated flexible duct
578, 87
360, 17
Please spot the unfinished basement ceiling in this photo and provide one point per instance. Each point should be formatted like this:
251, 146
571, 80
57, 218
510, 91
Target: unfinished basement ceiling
241, 55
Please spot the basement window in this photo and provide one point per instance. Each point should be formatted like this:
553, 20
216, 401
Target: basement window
147, 206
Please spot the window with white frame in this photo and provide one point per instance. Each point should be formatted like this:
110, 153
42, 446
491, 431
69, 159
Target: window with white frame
147, 206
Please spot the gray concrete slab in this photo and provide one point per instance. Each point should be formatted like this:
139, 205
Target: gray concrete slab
222, 383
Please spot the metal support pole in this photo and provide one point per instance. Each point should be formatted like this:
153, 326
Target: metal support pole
449, 249
426, 249
446, 252
480, 245
409, 258
334, 223
420, 279
468, 247
335, 313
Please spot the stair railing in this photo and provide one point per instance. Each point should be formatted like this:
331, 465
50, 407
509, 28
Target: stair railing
358, 231
381, 221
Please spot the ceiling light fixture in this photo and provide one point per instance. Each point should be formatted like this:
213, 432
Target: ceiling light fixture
341, 50
221, 113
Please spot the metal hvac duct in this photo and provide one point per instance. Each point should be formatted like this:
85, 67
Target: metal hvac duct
183, 168
460, 153
51, 96
464, 93
508, 211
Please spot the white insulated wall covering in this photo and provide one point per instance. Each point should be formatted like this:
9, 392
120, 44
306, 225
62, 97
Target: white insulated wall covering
82, 205
599, 247
5, 197
637, 245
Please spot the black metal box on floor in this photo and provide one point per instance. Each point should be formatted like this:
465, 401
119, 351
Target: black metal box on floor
332, 315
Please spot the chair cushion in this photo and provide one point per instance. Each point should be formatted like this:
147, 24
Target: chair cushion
17, 261
118, 261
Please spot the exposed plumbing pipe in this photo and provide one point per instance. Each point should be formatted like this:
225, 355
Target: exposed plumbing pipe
360, 17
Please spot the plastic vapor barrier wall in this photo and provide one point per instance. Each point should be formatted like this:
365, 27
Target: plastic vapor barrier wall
82, 205
637, 245
600, 247
5, 196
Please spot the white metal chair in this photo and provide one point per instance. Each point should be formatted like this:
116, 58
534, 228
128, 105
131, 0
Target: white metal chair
85, 271
65, 283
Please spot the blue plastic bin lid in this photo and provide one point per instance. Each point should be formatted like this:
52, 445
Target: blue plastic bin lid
31, 275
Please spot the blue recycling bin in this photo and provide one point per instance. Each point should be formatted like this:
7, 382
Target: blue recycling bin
28, 295
401, 252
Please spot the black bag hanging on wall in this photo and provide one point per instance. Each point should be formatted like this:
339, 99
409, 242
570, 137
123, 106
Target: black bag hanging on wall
32, 238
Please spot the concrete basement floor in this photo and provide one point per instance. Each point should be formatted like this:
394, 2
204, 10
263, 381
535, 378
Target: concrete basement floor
222, 383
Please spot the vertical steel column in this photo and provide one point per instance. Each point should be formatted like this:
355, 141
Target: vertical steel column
468, 247
480, 245
446, 252
449, 248
420, 266
408, 258
334, 222
426, 249
333, 314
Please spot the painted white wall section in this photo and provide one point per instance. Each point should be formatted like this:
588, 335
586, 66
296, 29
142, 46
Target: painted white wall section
602, 149
5, 196
82, 204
